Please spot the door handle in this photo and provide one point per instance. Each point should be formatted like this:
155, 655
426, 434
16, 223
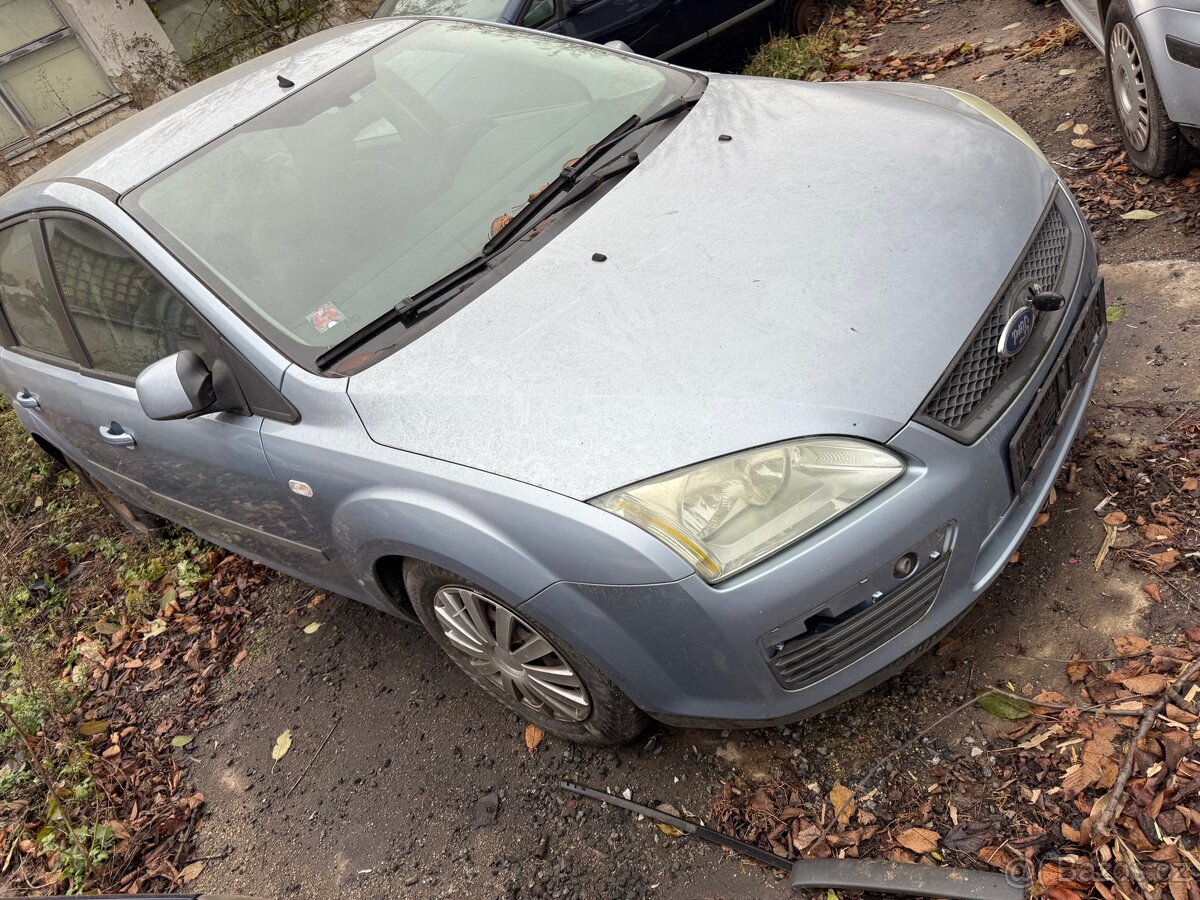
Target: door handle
26, 399
114, 434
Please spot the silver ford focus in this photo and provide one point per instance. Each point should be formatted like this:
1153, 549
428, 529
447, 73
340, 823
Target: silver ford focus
648, 393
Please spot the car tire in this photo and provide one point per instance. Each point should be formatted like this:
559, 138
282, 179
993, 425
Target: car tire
800, 17
1152, 141
449, 606
133, 518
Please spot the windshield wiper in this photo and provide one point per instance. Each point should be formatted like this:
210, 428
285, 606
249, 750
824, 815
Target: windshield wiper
572, 184
570, 175
405, 311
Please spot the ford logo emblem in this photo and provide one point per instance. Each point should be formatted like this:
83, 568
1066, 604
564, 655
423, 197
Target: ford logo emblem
1017, 332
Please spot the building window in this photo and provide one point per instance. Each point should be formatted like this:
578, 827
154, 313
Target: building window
47, 77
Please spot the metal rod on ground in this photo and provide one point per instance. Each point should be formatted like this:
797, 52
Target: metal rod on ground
711, 835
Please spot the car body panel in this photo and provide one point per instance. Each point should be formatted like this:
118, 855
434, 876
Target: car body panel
584, 377
1179, 84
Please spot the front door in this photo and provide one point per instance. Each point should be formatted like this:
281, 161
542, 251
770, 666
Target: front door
209, 473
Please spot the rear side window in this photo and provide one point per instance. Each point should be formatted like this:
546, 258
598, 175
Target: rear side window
126, 316
23, 294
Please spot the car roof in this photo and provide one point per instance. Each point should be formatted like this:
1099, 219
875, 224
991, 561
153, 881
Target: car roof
134, 150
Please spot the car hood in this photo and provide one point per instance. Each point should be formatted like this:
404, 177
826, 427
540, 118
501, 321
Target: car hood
815, 274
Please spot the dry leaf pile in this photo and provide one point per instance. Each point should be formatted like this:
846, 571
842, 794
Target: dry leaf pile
1092, 795
147, 688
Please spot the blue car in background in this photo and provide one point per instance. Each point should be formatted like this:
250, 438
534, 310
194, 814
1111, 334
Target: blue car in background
660, 28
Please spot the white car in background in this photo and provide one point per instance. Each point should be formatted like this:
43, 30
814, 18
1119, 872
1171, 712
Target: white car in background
1152, 48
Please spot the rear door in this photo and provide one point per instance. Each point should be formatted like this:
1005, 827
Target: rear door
39, 362
209, 473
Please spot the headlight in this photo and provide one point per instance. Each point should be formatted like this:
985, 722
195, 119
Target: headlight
725, 515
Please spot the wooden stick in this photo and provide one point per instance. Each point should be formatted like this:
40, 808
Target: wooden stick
1149, 716
311, 761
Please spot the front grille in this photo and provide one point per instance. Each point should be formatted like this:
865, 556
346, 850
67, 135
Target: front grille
980, 367
807, 659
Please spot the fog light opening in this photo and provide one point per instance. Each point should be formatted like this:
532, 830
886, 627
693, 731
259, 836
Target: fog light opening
905, 566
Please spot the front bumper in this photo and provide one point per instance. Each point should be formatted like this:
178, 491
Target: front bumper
736, 653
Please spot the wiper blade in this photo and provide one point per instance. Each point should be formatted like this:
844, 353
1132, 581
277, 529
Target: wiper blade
571, 174
406, 311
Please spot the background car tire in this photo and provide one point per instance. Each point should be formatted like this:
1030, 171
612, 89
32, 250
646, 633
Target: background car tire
609, 718
1152, 141
801, 17
135, 519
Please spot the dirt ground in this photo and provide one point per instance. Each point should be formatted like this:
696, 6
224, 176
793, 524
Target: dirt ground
403, 781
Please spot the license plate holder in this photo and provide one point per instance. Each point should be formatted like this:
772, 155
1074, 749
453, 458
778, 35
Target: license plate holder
1037, 430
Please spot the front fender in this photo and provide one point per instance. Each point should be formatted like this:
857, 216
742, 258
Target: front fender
511, 545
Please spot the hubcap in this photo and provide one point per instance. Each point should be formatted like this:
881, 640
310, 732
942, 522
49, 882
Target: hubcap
512, 654
1129, 86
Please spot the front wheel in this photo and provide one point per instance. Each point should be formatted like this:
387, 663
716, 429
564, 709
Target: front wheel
1151, 139
534, 673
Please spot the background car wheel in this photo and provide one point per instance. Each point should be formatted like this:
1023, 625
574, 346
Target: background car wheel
135, 519
1152, 140
801, 16
524, 666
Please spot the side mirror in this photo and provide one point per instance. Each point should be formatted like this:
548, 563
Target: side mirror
176, 387
618, 45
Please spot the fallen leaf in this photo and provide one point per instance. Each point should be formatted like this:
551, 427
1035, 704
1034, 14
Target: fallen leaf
1042, 519
283, 744
157, 627
1115, 518
1152, 592
182, 740
1065, 72
1012, 26
1081, 129
1146, 684
1129, 646
313, 627
1158, 534
1065, 126
1114, 314
191, 872
1191, 484
1083, 144
498, 224
1015, 558
93, 727
1138, 215
665, 827
1167, 560
533, 736
919, 840
842, 799
1003, 707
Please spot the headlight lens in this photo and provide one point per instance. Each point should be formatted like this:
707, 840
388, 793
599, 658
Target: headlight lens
725, 515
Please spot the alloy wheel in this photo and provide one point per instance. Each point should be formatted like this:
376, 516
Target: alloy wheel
512, 654
1129, 86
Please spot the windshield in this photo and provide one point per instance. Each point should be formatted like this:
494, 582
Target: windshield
488, 10
355, 192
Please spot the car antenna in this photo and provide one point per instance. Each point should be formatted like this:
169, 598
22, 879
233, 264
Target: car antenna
285, 82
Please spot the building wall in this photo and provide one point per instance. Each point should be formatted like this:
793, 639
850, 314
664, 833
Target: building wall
129, 44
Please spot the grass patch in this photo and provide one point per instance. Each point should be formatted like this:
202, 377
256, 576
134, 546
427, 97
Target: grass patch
72, 582
805, 58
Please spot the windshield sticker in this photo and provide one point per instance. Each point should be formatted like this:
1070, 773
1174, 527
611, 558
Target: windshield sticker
325, 317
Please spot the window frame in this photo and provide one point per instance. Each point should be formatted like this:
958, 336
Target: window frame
560, 13
35, 136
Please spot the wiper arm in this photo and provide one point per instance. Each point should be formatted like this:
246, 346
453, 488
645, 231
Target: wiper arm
404, 311
570, 175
